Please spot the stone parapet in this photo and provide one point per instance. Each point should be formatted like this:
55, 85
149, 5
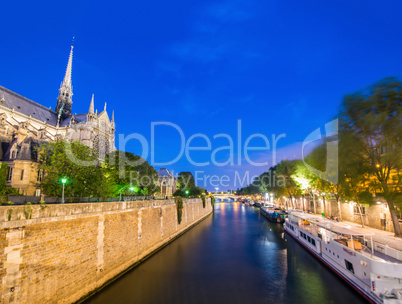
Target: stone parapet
61, 253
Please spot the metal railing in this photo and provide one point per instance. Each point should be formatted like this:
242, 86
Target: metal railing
385, 249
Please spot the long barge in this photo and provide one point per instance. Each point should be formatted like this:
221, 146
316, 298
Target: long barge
275, 215
373, 269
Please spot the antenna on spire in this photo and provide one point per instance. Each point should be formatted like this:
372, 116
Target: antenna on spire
72, 42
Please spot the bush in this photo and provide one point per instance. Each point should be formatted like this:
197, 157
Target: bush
203, 201
212, 202
28, 212
10, 214
179, 206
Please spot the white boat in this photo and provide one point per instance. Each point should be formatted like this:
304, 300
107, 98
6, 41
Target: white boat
372, 269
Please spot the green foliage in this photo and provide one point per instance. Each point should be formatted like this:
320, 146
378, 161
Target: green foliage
186, 186
185, 180
190, 192
179, 206
28, 212
370, 132
125, 170
212, 202
4, 189
7, 203
203, 201
10, 213
83, 180
43, 206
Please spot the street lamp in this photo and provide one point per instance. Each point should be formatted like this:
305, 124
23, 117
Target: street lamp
132, 190
187, 192
122, 188
63, 182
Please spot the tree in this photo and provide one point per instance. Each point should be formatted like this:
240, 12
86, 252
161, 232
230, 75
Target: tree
186, 186
307, 181
284, 170
62, 159
371, 131
338, 187
185, 180
129, 171
5, 190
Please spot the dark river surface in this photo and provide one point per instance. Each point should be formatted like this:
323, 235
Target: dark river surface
233, 256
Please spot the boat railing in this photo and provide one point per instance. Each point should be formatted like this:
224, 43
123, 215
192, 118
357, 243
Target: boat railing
389, 251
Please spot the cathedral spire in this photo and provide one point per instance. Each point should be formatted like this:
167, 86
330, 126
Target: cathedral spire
91, 106
67, 76
112, 122
104, 109
64, 101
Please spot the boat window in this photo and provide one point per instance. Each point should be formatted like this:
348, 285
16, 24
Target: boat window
309, 239
301, 233
305, 236
349, 266
313, 242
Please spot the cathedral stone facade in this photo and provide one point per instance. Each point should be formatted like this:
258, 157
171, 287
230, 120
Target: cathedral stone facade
25, 124
166, 182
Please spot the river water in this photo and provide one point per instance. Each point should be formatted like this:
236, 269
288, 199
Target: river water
233, 256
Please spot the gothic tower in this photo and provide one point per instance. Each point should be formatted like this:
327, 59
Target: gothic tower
64, 101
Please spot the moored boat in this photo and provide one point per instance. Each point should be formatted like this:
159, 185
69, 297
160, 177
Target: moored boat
275, 215
351, 253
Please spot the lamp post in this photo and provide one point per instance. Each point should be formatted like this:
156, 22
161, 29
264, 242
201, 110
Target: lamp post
186, 192
131, 189
63, 182
120, 193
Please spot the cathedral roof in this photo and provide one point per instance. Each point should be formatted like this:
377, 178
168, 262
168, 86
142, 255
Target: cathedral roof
26, 150
77, 118
163, 172
26, 106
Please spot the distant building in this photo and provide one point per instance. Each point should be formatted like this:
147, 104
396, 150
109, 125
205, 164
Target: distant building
25, 124
166, 182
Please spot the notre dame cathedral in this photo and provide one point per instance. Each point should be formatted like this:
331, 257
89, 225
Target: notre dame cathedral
25, 124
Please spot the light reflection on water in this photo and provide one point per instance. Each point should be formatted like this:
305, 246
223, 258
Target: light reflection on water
233, 256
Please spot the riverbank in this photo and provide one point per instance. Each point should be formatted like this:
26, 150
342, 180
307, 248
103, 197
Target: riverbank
61, 253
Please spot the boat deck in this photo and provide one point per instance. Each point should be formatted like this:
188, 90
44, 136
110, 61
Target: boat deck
387, 247
367, 252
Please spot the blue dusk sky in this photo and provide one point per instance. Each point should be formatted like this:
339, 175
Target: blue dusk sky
279, 66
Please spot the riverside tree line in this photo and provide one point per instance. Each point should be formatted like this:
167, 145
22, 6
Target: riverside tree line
369, 150
119, 174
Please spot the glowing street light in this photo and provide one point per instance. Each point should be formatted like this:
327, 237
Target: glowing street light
132, 190
63, 182
187, 192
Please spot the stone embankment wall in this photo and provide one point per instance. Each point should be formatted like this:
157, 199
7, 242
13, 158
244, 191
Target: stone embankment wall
61, 253
375, 216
